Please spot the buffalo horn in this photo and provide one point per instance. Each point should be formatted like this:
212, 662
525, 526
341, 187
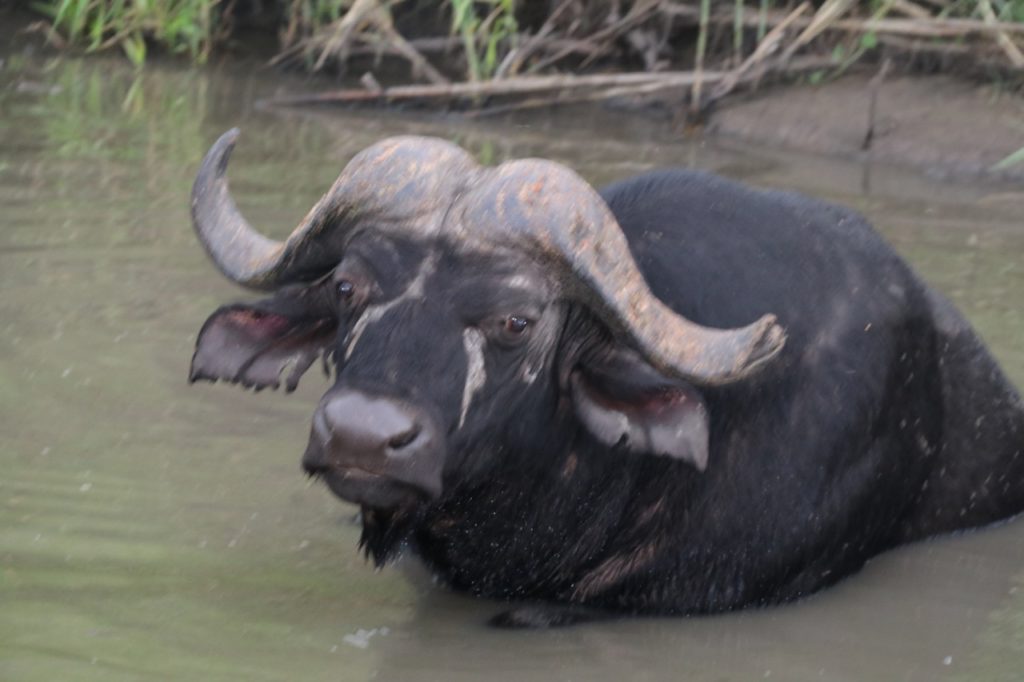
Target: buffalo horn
400, 185
238, 250
544, 206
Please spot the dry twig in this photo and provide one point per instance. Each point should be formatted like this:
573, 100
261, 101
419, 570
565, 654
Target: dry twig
362, 17
1008, 46
538, 91
768, 46
518, 85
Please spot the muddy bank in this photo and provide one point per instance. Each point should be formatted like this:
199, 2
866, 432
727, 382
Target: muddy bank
949, 128
945, 127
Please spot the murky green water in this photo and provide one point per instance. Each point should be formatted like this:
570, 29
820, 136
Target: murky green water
152, 530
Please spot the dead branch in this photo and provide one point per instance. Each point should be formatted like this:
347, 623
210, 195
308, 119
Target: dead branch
540, 91
923, 46
925, 28
677, 81
519, 85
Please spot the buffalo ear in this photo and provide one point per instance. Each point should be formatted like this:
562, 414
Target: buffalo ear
255, 344
621, 399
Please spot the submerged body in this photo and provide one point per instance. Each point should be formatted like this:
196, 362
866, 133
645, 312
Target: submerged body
883, 421
530, 445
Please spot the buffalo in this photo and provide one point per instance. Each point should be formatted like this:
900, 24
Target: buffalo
678, 395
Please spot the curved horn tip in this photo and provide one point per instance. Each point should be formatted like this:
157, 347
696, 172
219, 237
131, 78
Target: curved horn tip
213, 167
771, 337
221, 150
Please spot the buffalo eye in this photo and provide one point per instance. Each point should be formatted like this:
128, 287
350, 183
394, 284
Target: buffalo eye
516, 324
346, 289
509, 331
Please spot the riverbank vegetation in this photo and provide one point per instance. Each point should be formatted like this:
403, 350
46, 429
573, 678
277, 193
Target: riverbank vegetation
523, 53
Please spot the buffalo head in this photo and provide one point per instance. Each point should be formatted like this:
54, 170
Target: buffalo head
474, 317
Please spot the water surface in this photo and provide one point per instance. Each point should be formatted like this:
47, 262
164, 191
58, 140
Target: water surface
152, 530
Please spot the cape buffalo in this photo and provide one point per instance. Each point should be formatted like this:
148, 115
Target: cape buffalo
679, 395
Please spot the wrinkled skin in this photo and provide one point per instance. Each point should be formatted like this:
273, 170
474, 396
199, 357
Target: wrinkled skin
551, 463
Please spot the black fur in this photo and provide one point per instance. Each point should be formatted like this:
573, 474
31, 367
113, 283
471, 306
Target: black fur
884, 420
817, 463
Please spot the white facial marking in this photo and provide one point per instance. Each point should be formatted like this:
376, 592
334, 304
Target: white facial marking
374, 313
530, 372
519, 282
476, 376
536, 360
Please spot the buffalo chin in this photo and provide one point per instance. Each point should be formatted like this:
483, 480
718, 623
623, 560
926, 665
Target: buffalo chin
373, 491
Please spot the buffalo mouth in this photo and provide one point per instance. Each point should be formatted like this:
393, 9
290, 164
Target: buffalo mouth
377, 452
372, 490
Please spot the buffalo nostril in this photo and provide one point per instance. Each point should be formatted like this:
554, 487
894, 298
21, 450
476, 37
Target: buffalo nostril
405, 438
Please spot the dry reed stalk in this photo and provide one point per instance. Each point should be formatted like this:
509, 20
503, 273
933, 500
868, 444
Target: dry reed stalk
827, 15
1008, 46
702, 42
874, 85
912, 10
931, 28
600, 40
514, 60
361, 19
768, 46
